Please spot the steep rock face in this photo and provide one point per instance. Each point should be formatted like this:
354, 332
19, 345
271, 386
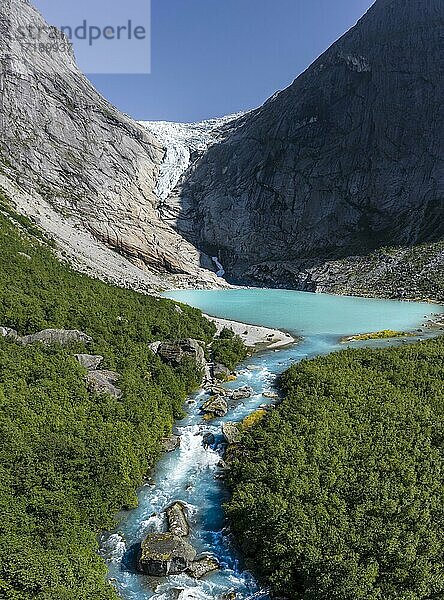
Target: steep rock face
61, 140
347, 160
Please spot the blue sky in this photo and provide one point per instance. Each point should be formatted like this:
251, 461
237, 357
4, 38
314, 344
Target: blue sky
215, 57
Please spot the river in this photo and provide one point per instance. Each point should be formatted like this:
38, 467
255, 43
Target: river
192, 473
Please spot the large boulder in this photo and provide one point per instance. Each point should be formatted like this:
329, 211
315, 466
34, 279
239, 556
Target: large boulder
171, 443
242, 393
208, 440
220, 371
177, 520
165, 554
216, 406
55, 336
203, 566
89, 361
271, 395
176, 351
217, 390
231, 433
103, 382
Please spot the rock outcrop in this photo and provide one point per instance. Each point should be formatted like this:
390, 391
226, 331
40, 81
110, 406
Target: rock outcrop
231, 433
103, 382
171, 443
8, 332
176, 351
242, 393
165, 554
89, 361
48, 336
346, 161
203, 566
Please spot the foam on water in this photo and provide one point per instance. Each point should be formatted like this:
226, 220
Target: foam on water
191, 473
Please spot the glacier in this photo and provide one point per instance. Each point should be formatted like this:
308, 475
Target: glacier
181, 141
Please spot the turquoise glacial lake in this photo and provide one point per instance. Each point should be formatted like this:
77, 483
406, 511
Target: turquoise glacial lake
305, 313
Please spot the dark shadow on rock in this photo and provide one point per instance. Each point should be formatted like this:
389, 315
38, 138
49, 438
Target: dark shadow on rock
130, 558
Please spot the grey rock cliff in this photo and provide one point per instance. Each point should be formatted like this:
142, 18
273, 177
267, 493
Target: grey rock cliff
347, 160
62, 140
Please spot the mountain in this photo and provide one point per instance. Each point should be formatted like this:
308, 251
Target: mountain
335, 184
87, 172
311, 189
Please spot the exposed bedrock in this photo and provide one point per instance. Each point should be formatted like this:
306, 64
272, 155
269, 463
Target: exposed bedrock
347, 160
63, 142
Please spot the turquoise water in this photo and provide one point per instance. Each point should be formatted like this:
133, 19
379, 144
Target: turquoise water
192, 473
305, 313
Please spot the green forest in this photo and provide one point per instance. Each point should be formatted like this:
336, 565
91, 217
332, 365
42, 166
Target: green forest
228, 349
339, 492
69, 459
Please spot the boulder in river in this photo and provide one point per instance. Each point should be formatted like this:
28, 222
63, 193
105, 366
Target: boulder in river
165, 554
218, 391
271, 395
171, 443
103, 382
220, 371
216, 406
89, 361
203, 566
242, 393
231, 433
177, 520
208, 439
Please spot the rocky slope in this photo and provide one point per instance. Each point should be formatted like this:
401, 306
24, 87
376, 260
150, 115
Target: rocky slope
67, 155
346, 161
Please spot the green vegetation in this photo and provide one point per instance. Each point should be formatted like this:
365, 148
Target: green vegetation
69, 460
339, 492
228, 349
253, 419
378, 335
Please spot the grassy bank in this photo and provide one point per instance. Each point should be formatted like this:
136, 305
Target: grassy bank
339, 493
69, 459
